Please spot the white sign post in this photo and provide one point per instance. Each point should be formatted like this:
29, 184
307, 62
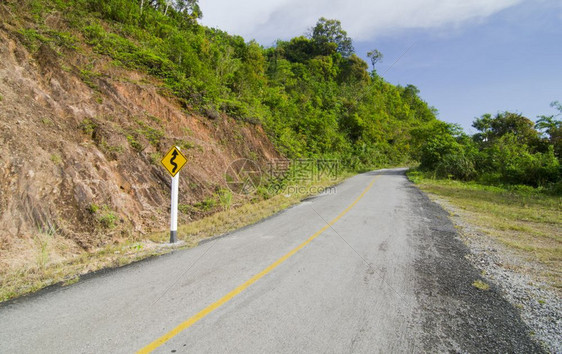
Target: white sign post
173, 162
174, 209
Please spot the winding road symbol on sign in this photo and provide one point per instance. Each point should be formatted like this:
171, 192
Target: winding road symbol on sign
174, 161
174, 155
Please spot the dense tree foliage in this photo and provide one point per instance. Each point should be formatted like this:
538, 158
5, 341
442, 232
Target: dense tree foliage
328, 34
376, 57
492, 129
507, 149
551, 126
314, 96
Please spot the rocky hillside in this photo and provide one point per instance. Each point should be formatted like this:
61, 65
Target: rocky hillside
81, 142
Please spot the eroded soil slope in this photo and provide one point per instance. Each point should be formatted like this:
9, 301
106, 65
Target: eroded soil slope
80, 145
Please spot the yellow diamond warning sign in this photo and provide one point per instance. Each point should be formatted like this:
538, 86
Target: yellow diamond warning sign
174, 161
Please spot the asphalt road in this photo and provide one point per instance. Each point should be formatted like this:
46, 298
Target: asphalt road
374, 267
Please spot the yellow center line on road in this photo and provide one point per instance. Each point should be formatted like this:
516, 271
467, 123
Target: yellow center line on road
207, 310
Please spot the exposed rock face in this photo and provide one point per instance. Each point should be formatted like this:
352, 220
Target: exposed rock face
81, 141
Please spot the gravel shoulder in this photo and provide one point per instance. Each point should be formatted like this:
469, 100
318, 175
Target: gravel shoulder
537, 302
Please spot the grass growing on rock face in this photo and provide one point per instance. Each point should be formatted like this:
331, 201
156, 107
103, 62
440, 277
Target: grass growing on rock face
56, 159
525, 220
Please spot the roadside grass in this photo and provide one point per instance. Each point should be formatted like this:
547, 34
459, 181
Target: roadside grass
526, 220
18, 281
230, 219
51, 260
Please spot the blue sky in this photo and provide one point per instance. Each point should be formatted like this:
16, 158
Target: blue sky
467, 57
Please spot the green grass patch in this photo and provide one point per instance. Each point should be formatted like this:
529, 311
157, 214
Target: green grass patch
31, 38
526, 220
56, 158
134, 143
89, 78
88, 126
106, 217
479, 284
155, 158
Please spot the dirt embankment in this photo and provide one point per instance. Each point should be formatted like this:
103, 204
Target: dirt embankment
80, 145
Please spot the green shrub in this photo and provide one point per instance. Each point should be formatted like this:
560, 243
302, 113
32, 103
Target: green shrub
457, 166
225, 198
266, 192
517, 165
436, 148
63, 39
555, 188
103, 215
107, 219
89, 78
206, 205
155, 158
235, 108
185, 208
31, 38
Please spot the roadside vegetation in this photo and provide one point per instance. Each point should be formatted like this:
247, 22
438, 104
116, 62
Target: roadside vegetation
508, 150
507, 181
526, 220
313, 94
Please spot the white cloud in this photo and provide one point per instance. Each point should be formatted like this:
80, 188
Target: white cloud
268, 20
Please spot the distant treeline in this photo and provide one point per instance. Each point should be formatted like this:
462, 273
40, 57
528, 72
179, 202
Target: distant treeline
508, 149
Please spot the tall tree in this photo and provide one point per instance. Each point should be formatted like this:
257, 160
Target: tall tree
493, 128
189, 8
550, 123
552, 126
330, 31
375, 56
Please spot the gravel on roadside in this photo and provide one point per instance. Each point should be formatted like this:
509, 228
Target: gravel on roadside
540, 304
